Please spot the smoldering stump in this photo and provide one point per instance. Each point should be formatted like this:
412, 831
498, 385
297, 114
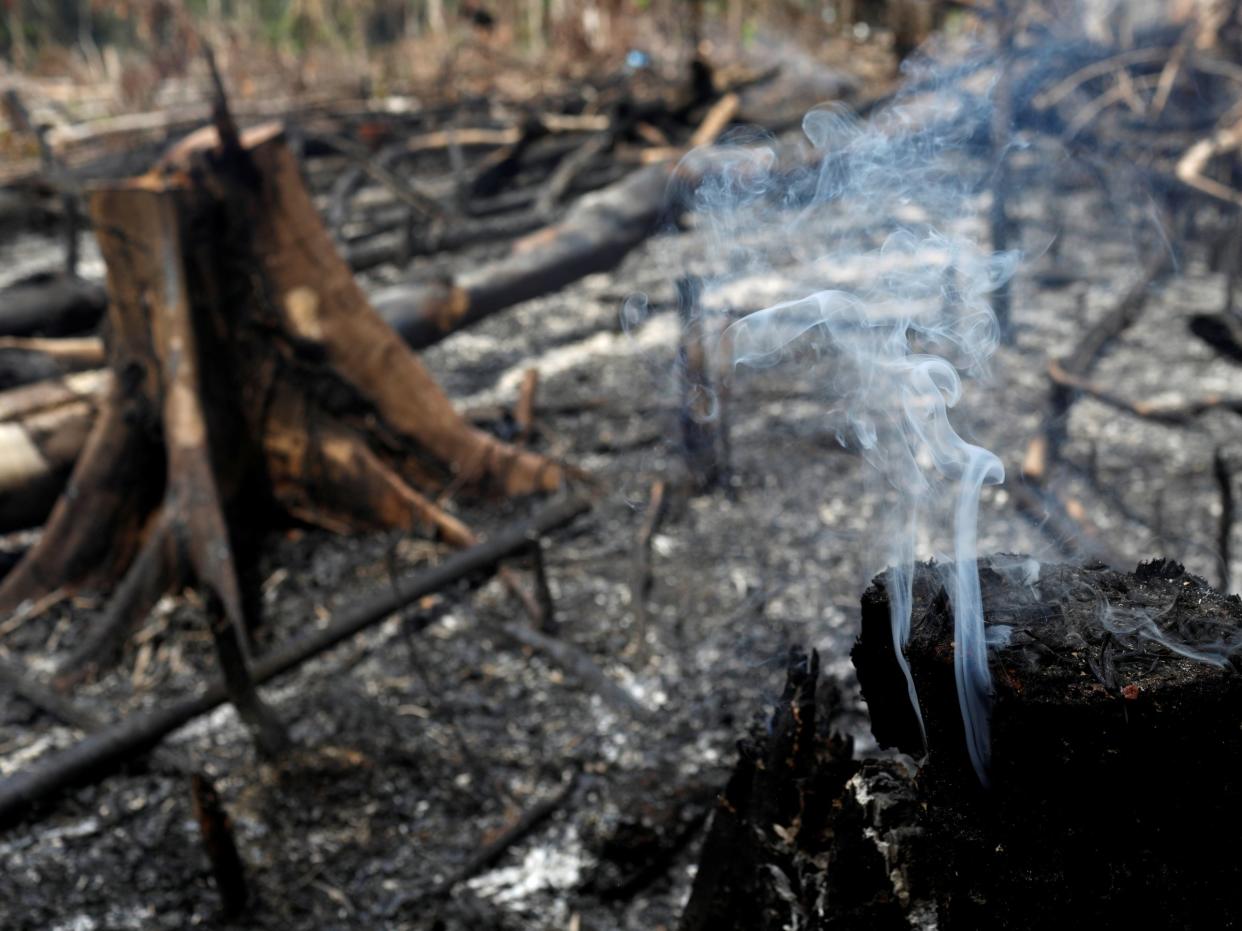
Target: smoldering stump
1115, 784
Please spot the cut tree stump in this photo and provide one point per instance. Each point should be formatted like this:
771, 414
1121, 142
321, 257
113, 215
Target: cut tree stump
1115, 785
252, 382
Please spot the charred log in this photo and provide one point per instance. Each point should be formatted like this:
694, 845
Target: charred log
51, 305
595, 235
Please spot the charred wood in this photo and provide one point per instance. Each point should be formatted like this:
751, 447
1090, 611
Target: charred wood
216, 830
1223, 474
640, 581
192, 413
1045, 449
772, 834
399, 247
1111, 766
594, 236
1114, 765
51, 305
699, 413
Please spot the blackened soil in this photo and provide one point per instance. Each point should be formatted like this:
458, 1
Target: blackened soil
418, 748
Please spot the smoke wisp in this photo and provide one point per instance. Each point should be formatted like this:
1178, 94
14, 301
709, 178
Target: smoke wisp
889, 282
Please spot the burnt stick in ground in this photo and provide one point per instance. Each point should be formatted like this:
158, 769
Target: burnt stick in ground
699, 413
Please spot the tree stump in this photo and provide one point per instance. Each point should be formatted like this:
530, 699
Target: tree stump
252, 382
1116, 770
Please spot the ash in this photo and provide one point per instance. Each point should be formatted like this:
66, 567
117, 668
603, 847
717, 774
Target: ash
420, 748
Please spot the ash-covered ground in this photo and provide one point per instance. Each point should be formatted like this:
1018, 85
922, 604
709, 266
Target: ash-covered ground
419, 746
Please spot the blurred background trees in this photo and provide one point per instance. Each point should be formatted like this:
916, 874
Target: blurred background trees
35, 34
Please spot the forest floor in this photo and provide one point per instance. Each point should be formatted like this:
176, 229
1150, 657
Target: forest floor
420, 744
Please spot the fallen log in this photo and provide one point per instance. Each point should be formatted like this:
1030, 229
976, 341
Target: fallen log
400, 247
43, 428
24, 360
1115, 761
596, 234
51, 305
103, 752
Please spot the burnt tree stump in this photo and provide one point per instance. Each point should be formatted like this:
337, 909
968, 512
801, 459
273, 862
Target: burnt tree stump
1115, 782
252, 383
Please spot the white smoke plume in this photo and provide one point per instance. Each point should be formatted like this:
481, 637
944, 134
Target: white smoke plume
892, 286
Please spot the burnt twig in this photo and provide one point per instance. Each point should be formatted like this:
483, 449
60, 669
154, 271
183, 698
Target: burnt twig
543, 591
524, 410
216, 829
1163, 413
1045, 449
640, 583
699, 411
529, 820
1224, 481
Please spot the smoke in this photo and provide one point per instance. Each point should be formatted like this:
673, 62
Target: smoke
1201, 637
870, 242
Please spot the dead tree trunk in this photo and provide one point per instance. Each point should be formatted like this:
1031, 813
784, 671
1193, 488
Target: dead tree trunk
251, 379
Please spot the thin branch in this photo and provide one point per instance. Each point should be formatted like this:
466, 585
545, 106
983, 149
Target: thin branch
100, 753
1172, 414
